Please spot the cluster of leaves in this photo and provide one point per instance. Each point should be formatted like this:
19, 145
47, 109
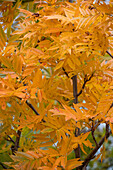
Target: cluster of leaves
38, 63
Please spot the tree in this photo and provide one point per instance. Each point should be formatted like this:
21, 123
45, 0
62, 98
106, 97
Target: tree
55, 83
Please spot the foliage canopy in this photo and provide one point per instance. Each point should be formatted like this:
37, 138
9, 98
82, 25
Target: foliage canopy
56, 83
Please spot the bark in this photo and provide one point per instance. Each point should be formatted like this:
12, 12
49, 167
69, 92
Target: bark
93, 152
77, 130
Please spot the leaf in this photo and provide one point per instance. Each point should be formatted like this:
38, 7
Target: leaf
53, 30
36, 51
69, 113
40, 95
81, 146
25, 11
17, 63
59, 65
73, 163
25, 155
3, 38
58, 160
6, 61
58, 17
13, 38
47, 130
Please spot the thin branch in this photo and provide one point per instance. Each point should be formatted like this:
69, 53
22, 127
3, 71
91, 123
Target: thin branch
15, 147
16, 143
10, 139
74, 78
71, 1
3, 165
92, 154
92, 132
85, 81
35, 14
88, 130
17, 140
109, 54
107, 127
31, 106
77, 130
65, 72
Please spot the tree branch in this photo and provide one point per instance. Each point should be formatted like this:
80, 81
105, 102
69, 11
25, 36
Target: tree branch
3, 165
74, 78
65, 72
91, 155
85, 81
92, 132
10, 139
17, 140
16, 143
109, 54
88, 130
31, 106
77, 130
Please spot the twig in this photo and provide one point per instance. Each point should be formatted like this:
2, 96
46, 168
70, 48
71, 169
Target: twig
17, 140
85, 81
3, 165
16, 143
71, 1
15, 147
95, 126
65, 72
10, 139
109, 54
35, 14
92, 132
92, 154
31, 106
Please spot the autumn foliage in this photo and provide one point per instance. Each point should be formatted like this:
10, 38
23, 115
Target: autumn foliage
56, 83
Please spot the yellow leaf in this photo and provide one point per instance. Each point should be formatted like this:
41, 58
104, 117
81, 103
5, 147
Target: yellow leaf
6, 61
36, 51
81, 146
53, 30
73, 163
47, 130
68, 112
40, 95
3, 38
59, 65
25, 11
